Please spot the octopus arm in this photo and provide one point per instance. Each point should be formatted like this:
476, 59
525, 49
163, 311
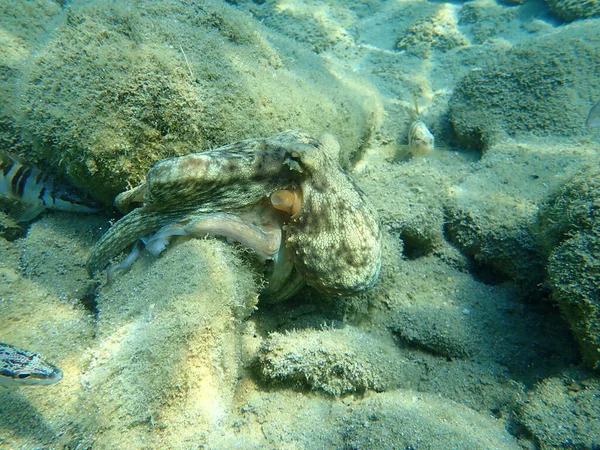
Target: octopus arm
127, 230
264, 241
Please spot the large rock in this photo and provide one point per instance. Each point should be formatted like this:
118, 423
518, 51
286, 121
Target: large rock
167, 356
24, 24
570, 10
118, 88
492, 215
335, 361
540, 87
562, 411
572, 224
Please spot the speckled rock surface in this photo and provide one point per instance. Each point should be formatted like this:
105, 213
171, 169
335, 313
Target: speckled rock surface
437, 32
562, 411
570, 10
572, 222
337, 362
540, 87
117, 88
493, 215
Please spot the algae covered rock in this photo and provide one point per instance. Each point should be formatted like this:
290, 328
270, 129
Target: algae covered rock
337, 361
540, 87
437, 32
411, 420
411, 206
574, 277
574, 207
493, 215
166, 353
570, 10
54, 255
573, 225
487, 20
16, 44
118, 87
562, 411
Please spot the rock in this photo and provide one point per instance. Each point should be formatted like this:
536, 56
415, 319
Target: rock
409, 198
488, 20
540, 87
117, 88
570, 10
166, 352
398, 419
574, 278
562, 411
55, 251
337, 361
437, 32
572, 224
492, 216
24, 25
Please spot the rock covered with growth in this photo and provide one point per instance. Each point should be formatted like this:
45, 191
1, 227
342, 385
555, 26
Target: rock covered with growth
336, 361
540, 87
437, 32
492, 216
570, 10
118, 87
562, 411
166, 353
573, 234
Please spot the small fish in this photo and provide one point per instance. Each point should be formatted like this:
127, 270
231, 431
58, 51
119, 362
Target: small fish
593, 118
420, 140
20, 367
34, 190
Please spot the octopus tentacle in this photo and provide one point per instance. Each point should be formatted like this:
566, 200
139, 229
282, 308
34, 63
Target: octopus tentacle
123, 233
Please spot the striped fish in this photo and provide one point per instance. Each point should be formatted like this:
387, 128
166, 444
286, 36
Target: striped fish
35, 191
20, 367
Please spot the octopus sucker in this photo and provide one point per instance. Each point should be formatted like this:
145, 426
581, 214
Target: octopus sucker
285, 197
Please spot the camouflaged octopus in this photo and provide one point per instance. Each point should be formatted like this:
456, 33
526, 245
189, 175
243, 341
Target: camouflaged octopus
286, 197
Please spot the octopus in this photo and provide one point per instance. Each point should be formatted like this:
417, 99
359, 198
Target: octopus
285, 197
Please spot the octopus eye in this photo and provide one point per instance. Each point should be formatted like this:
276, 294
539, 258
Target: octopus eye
294, 161
294, 156
22, 376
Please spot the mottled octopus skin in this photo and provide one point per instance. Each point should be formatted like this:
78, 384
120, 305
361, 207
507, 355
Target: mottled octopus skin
334, 239
227, 178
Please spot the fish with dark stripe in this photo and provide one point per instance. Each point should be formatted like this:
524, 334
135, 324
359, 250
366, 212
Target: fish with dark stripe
19, 367
35, 190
